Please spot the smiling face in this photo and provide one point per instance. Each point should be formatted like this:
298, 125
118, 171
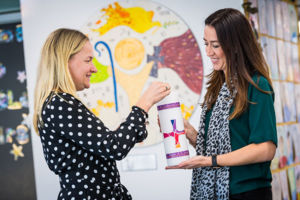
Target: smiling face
81, 67
213, 49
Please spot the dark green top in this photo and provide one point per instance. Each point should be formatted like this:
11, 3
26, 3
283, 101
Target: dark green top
256, 125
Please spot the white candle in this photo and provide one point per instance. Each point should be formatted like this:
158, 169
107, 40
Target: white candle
171, 123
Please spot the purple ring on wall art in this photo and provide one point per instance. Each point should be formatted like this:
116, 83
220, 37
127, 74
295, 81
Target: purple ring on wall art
167, 106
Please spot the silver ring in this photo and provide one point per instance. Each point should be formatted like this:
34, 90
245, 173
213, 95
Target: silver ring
167, 88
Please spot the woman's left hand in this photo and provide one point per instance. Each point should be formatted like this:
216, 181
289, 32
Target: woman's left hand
252, 153
194, 162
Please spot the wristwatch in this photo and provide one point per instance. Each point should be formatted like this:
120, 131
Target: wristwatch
214, 161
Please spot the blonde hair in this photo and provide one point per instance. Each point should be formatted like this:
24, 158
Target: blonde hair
53, 71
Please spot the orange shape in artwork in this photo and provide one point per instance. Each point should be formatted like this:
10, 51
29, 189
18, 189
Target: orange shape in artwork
136, 18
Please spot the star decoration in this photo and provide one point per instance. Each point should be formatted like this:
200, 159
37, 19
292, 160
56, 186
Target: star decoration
17, 151
21, 76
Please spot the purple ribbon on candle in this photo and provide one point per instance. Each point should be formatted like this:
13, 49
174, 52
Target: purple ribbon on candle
167, 106
177, 154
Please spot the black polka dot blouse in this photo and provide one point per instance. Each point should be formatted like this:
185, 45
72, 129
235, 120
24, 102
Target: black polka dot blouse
83, 152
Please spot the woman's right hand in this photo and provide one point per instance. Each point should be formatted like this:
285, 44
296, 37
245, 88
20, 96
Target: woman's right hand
154, 93
190, 132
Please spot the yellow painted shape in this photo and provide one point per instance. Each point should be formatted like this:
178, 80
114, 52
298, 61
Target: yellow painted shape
186, 111
133, 84
17, 151
129, 53
100, 105
95, 111
136, 18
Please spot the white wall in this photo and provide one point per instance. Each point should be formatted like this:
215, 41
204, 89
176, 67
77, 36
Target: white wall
39, 18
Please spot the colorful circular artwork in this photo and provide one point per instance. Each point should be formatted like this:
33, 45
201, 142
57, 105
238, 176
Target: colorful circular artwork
136, 43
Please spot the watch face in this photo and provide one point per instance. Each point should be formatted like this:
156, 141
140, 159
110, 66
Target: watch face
136, 43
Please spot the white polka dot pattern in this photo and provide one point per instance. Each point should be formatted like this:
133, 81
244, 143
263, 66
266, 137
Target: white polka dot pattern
82, 151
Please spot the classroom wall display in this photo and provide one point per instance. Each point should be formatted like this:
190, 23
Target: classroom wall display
295, 63
290, 145
285, 20
292, 183
282, 67
136, 43
297, 96
284, 185
278, 19
270, 17
289, 64
282, 146
281, 50
276, 187
295, 133
278, 103
288, 101
16, 169
269, 47
293, 21
297, 175
262, 15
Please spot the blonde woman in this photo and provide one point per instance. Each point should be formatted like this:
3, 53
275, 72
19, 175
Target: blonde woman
77, 146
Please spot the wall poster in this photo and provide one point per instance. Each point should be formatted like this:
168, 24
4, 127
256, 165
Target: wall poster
16, 169
136, 43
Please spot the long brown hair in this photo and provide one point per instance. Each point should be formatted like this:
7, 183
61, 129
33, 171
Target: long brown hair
243, 58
